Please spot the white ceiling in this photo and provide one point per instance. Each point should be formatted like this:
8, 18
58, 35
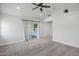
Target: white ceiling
27, 12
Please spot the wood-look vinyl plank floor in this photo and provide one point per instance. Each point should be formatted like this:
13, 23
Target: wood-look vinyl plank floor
39, 47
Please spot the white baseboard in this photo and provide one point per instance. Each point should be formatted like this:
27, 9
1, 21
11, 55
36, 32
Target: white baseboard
10, 43
45, 36
66, 43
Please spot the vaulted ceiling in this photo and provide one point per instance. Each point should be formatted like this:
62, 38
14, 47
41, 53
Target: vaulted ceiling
25, 10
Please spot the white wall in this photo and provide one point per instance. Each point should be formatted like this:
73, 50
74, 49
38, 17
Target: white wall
12, 29
66, 25
0, 21
0, 26
45, 29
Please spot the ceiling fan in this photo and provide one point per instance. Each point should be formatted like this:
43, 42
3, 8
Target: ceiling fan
40, 5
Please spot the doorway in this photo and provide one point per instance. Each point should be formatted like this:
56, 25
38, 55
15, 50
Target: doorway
31, 29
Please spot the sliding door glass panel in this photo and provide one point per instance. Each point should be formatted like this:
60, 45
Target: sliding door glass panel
31, 30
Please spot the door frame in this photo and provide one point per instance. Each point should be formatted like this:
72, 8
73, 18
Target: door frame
38, 33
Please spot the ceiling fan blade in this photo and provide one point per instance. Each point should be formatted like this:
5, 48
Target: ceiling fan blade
40, 4
46, 6
35, 4
41, 9
35, 8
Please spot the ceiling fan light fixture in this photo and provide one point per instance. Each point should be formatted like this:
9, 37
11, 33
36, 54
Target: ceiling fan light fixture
49, 15
41, 14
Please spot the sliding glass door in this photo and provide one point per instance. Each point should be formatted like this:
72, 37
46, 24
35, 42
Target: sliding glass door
31, 30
